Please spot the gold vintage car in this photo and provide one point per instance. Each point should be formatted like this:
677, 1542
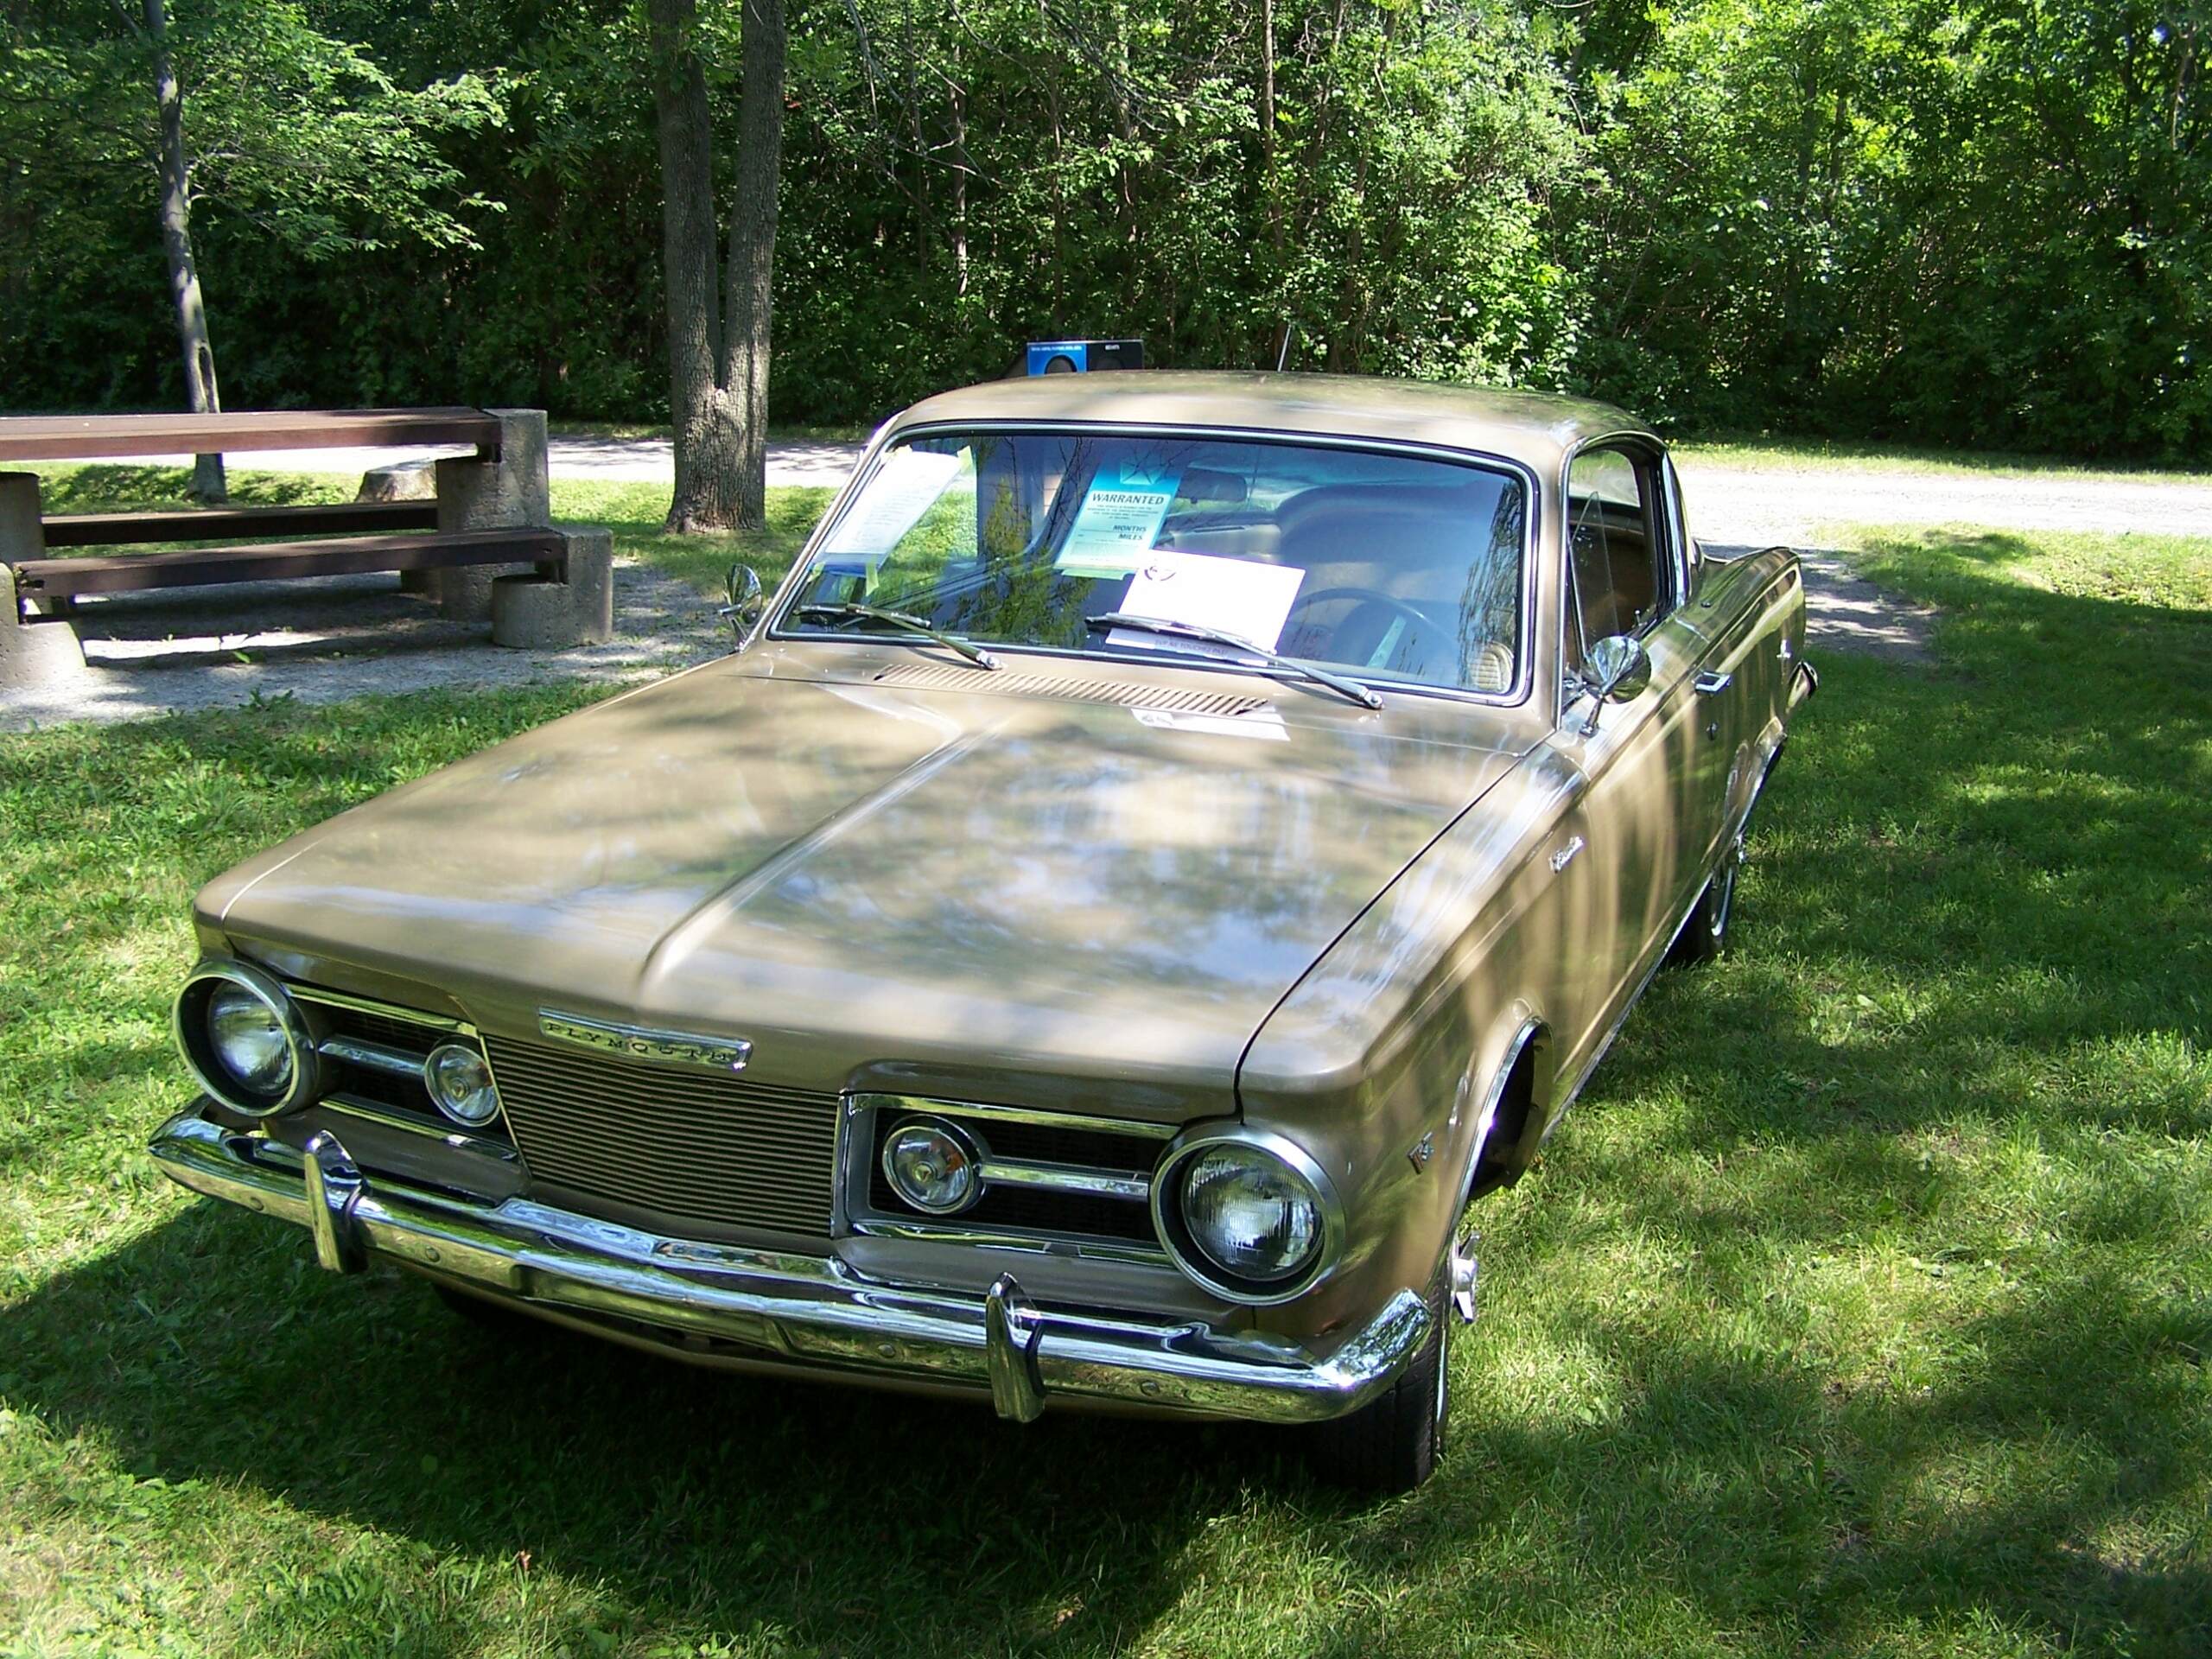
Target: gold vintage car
1173, 841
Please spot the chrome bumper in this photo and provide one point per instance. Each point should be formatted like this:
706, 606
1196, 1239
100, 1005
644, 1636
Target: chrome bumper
796, 1309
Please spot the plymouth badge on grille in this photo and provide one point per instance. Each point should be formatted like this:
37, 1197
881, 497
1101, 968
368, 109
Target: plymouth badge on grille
642, 1043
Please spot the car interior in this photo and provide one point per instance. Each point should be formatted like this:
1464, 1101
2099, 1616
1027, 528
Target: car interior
1614, 558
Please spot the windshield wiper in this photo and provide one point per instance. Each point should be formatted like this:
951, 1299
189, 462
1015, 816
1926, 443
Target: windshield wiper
846, 611
1342, 683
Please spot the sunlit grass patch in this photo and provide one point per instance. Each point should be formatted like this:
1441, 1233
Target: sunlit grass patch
1861, 1306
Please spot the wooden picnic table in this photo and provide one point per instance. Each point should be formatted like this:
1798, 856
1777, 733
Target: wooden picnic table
71, 438
491, 510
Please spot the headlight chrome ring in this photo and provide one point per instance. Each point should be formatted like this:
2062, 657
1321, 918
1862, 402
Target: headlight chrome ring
299, 1082
1199, 1263
458, 1080
933, 1166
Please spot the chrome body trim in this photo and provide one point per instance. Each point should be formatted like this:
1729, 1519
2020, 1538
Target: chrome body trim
1084, 1246
693, 1297
646, 1042
1067, 1178
1565, 855
926, 1105
445, 1135
374, 1056
315, 993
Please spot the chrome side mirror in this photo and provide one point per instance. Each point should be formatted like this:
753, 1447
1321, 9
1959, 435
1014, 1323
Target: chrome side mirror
1615, 669
746, 602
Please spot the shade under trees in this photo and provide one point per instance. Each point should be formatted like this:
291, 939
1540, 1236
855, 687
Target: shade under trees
1979, 222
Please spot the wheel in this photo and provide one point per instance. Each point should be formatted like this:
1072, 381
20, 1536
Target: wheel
1704, 932
1394, 1443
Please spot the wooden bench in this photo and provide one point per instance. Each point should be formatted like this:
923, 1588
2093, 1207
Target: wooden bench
44, 588
225, 523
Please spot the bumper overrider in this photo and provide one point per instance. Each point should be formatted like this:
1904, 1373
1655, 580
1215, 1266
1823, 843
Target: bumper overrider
804, 1311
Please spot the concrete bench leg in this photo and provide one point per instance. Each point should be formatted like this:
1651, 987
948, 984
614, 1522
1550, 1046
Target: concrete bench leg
501, 494
31, 653
534, 612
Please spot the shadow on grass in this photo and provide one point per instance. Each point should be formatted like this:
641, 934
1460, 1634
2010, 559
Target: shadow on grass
212, 1349
1973, 934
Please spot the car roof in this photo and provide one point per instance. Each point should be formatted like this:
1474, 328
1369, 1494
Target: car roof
1535, 427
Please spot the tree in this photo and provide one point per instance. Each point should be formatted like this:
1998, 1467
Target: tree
299, 133
718, 325
176, 168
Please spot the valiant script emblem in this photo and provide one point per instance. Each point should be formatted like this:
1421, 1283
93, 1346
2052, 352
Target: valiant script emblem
640, 1043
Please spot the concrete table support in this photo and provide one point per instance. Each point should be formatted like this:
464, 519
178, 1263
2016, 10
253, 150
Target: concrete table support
477, 494
532, 613
31, 653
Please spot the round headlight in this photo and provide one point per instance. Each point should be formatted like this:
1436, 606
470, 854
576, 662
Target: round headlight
461, 1083
1248, 1215
246, 1039
249, 1040
932, 1167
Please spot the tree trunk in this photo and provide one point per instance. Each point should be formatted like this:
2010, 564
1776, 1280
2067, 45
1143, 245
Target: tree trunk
717, 340
690, 281
752, 255
201, 397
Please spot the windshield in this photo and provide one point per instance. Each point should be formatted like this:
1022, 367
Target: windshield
1388, 567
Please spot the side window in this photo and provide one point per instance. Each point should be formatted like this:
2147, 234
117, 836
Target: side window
1620, 579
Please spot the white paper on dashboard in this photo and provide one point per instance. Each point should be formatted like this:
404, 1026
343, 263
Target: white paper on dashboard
1242, 596
904, 488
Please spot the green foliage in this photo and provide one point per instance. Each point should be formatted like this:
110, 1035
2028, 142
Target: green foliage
1949, 222
1860, 1308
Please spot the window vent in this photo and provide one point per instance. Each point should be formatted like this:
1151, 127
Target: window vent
1006, 683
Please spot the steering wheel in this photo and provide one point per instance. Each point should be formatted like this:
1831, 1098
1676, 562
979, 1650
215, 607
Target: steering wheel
1389, 601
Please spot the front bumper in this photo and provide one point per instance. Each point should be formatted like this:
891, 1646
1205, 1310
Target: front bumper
806, 1311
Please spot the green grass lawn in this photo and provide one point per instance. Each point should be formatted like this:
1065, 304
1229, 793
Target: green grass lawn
1863, 1306
1775, 455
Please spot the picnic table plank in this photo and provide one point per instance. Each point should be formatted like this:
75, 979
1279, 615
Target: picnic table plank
66, 437
39, 580
216, 524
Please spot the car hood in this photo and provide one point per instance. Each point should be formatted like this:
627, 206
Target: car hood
924, 888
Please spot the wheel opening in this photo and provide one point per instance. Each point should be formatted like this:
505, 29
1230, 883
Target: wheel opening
1501, 1162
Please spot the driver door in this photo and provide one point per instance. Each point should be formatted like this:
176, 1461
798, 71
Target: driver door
1637, 822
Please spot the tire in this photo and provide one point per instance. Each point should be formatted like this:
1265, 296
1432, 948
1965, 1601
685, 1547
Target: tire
1394, 1443
1704, 936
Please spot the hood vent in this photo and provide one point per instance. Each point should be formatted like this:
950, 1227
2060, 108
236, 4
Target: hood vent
946, 677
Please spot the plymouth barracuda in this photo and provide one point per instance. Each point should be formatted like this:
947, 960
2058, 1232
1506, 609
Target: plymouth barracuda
1170, 844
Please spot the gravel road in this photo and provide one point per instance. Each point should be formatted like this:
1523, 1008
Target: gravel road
353, 636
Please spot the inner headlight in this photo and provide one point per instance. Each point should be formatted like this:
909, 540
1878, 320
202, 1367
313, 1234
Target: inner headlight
932, 1165
245, 1040
459, 1081
248, 1037
1251, 1213
1250, 1217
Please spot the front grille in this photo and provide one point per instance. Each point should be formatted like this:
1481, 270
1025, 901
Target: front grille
406, 1096
695, 1145
1024, 1209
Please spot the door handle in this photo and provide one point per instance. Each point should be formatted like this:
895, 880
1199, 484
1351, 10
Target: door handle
1710, 684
